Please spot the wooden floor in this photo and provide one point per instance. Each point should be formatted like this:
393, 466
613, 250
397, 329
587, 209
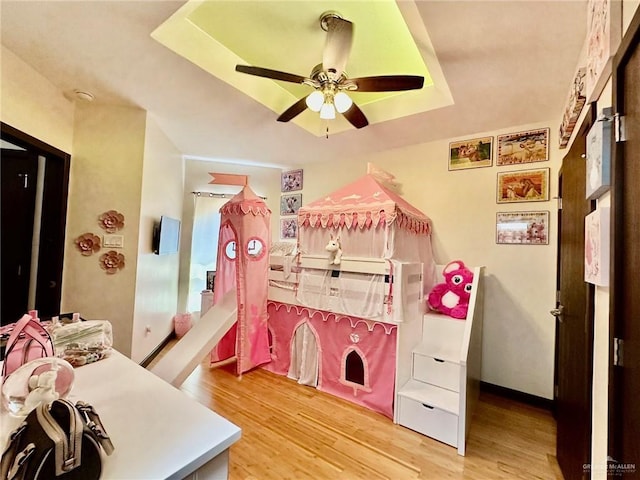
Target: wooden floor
290, 431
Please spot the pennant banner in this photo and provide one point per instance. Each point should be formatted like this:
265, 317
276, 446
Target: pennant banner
228, 179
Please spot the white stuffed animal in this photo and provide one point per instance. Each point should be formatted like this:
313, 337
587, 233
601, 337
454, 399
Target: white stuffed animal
335, 250
42, 389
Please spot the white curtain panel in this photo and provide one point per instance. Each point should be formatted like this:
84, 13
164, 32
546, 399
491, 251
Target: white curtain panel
204, 245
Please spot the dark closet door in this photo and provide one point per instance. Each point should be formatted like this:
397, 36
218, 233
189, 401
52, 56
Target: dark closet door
19, 211
624, 427
574, 319
19, 172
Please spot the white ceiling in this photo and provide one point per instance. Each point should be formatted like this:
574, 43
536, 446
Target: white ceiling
506, 63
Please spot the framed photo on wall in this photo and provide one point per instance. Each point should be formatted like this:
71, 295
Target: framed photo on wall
523, 186
573, 107
596, 247
598, 178
211, 276
474, 153
522, 228
289, 228
604, 33
290, 204
291, 181
523, 147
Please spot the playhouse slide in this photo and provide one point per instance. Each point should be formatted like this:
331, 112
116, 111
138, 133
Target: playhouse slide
178, 363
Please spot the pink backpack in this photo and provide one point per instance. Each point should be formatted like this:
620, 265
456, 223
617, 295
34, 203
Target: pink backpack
28, 340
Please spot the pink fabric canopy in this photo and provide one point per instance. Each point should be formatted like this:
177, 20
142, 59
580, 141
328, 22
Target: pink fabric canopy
365, 203
243, 264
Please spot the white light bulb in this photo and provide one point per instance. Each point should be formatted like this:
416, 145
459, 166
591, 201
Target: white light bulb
342, 102
315, 100
327, 112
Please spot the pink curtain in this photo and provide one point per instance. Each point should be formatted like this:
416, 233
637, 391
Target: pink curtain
374, 344
371, 343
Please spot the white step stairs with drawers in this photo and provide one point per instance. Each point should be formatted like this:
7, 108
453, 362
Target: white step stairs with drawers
439, 399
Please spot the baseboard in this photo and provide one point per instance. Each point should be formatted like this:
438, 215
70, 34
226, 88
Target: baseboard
511, 394
149, 358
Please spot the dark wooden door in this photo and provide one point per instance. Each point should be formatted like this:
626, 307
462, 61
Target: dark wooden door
624, 427
19, 172
574, 324
50, 255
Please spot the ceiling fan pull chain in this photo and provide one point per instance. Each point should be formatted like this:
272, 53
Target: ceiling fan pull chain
327, 134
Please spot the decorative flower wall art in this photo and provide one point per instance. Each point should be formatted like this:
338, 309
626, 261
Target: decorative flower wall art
88, 244
112, 261
111, 221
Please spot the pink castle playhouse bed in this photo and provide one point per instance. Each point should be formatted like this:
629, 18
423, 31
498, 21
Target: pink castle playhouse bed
349, 321
348, 327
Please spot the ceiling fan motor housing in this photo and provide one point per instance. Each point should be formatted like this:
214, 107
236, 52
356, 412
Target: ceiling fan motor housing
330, 80
327, 17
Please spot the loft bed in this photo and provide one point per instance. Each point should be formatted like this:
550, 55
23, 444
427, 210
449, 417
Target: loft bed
380, 235
350, 328
381, 290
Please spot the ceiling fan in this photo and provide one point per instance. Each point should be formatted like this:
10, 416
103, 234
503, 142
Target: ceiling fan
330, 80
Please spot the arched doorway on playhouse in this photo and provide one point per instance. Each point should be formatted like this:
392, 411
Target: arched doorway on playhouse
305, 355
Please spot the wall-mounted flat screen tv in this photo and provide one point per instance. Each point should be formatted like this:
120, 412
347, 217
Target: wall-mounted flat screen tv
166, 236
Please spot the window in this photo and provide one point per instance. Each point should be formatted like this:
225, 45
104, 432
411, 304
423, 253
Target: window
354, 368
204, 246
354, 371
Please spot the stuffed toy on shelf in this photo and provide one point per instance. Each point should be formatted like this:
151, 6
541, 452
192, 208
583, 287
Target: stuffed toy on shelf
335, 250
452, 296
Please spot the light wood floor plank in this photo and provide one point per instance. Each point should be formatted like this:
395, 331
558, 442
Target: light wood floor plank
290, 431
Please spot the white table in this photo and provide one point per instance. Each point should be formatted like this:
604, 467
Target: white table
158, 432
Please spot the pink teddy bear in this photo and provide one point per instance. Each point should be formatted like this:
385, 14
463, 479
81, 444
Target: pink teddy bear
452, 296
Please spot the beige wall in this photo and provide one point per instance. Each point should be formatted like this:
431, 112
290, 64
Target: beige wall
30, 103
106, 174
108, 146
156, 287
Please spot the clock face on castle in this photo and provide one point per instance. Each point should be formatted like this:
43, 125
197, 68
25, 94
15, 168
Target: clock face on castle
255, 248
230, 250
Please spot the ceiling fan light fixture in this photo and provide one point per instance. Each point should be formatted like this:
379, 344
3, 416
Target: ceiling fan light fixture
342, 102
315, 101
328, 111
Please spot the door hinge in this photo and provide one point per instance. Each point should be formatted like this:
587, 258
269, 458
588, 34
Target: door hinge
557, 296
556, 390
618, 352
619, 128
559, 202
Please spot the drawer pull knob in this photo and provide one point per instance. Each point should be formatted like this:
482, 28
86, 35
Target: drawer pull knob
427, 406
439, 360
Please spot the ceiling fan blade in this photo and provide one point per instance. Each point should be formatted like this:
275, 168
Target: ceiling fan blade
388, 83
294, 110
267, 73
356, 117
338, 45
